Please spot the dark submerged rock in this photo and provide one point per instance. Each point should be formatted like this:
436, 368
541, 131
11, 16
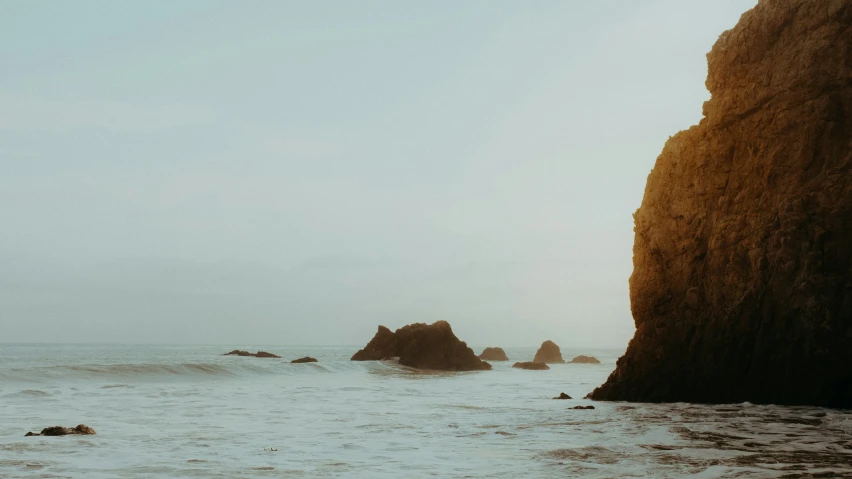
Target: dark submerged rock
742, 281
264, 354
84, 430
583, 407
585, 360
494, 354
259, 354
80, 429
55, 431
563, 396
531, 365
238, 352
548, 353
306, 359
422, 346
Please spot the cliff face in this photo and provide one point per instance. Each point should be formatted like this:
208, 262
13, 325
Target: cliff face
742, 281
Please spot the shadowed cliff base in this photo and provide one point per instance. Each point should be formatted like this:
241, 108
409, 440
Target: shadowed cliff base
742, 281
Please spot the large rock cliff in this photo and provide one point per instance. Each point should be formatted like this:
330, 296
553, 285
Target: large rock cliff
742, 281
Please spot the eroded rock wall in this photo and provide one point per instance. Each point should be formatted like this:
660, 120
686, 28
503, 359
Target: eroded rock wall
742, 281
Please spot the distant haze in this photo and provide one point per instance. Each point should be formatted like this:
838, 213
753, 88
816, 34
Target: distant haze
300, 172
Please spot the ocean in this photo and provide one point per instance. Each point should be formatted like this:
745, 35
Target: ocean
188, 411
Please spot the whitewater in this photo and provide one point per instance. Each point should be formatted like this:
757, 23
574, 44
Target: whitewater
188, 411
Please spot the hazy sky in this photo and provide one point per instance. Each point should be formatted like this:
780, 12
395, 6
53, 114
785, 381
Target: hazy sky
300, 172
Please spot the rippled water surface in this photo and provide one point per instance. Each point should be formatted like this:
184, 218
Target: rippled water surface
187, 411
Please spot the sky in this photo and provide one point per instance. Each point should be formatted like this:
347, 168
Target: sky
281, 172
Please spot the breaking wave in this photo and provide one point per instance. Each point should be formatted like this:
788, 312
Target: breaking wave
156, 370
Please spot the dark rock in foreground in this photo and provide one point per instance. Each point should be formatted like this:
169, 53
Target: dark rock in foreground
742, 281
548, 353
532, 365
494, 354
259, 354
306, 359
563, 396
585, 360
583, 407
422, 346
80, 429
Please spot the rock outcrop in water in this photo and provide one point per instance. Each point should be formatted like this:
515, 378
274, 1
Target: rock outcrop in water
259, 354
531, 365
422, 346
80, 429
563, 396
742, 281
306, 359
548, 353
494, 354
264, 354
238, 352
585, 360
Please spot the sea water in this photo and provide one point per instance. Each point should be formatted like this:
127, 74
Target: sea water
188, 411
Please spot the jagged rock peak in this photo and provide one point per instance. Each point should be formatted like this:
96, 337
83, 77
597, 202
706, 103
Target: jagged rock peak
422, 346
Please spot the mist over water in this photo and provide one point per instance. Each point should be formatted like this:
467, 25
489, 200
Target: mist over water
187, 411
211, 172
207, 171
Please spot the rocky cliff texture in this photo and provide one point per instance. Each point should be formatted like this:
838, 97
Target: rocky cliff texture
742, 281
422, 346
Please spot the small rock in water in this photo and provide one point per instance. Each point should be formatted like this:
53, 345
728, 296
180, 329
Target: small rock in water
549, 353
259, 354
80, 429
84, 430
264, 354
238, 352
535, 366
494, 354
306, 359
583, 407
585, 360
563, 396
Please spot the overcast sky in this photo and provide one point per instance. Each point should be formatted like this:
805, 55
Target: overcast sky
300, 172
